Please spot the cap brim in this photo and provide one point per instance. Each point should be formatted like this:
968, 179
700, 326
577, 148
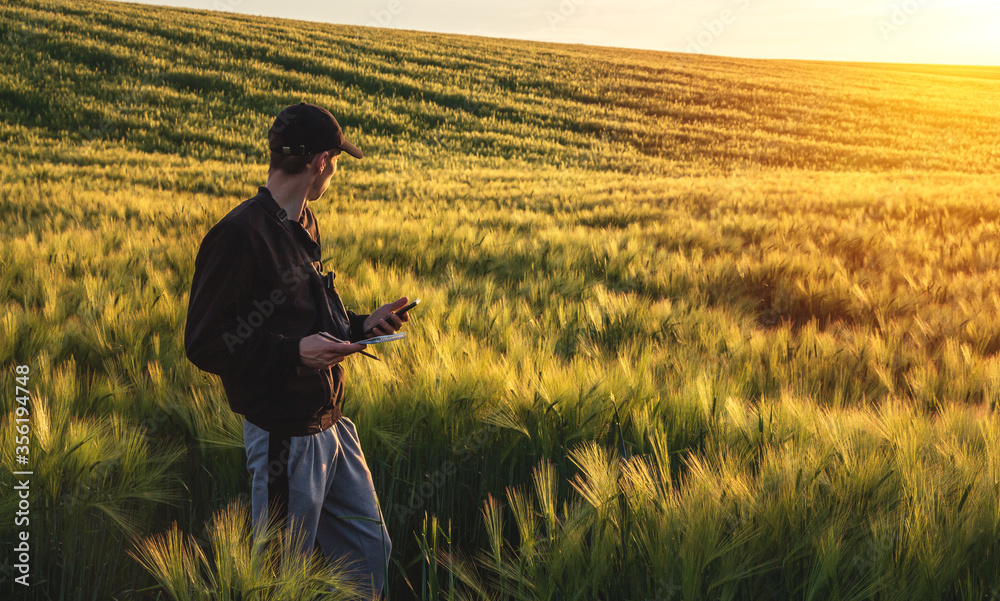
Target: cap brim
352, 150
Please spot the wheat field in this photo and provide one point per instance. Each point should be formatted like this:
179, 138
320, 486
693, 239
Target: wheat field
692, 327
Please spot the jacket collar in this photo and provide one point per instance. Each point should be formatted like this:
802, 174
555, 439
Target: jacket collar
296, 228
267, 201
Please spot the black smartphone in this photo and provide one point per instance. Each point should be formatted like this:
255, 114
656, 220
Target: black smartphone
402, 311
398, 313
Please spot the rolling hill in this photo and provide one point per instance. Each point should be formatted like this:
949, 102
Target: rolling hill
692, 327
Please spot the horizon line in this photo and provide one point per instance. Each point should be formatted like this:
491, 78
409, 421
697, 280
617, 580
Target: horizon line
376, 26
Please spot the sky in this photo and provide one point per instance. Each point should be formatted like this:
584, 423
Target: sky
900, 31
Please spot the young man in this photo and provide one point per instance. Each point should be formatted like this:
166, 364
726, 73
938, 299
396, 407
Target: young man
258, 303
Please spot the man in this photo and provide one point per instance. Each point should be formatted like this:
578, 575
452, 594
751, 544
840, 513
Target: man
258, 303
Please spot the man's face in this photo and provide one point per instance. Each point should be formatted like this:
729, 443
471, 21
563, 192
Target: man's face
322, 180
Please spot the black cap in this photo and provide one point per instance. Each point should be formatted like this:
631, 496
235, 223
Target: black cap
303, 129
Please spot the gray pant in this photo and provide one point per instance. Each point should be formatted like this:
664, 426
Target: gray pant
324, 485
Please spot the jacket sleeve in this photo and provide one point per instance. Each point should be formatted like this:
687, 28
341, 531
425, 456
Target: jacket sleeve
220, 336
357, 325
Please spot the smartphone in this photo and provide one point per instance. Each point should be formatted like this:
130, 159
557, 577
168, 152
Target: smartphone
402, 311
398, 313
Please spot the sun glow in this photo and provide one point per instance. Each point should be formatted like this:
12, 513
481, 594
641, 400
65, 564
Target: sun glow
912, 31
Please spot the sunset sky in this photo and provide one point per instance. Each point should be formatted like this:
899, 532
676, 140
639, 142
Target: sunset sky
913, 31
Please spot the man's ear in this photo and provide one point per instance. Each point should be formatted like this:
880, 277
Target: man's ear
318, 162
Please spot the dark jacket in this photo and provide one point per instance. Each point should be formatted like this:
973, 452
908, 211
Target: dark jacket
257, 291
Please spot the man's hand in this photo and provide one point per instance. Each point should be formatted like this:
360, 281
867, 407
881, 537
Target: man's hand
384, 321
319, 353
